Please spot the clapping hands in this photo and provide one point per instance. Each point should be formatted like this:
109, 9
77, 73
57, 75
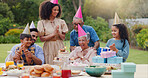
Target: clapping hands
112, 47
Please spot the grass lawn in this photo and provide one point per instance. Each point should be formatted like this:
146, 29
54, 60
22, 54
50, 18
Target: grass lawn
136, 56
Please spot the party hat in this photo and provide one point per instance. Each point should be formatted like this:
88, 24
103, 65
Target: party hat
81, 32
26, 30
116, 19
32, 25
79, 13
54, 1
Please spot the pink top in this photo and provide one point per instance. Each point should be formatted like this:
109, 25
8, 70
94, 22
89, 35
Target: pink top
87, 55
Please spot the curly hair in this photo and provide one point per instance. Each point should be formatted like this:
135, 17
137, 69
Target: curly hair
123, 32
45, 10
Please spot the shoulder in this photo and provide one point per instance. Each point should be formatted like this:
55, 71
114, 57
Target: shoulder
126, 41
59, 20
37, 46
17, 45
88, 27
72, 32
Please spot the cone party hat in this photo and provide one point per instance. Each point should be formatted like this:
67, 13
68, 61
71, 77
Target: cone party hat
54, 1
26, 30
81, 32
116, 19
79, 13
32, 25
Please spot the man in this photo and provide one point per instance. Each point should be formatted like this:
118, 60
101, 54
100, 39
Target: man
94, 39
38, 58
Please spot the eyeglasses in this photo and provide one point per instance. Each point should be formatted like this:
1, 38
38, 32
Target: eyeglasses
34, 36
77, 24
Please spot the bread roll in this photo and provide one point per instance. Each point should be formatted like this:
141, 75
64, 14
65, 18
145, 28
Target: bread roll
47, 68
45, 74
36, 74
38, 69
31, 70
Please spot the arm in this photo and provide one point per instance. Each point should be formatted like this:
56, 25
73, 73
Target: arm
39, 54
30, 57
124, 52
62, 35
72, 43
97, 44
48, 37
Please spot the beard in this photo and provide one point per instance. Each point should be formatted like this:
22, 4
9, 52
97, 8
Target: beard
33, 42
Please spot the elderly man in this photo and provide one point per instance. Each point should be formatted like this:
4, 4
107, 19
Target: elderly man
94, 39
38, 58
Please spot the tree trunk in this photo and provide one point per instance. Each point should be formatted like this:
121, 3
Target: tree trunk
74, 4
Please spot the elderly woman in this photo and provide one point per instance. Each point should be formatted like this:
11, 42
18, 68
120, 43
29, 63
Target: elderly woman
83, 53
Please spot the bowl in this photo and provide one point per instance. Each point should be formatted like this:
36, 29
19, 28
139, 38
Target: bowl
95, 71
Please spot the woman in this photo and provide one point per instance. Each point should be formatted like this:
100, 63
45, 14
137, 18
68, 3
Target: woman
51, 29
83, 53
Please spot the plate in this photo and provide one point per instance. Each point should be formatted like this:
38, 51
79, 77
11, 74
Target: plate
14, 72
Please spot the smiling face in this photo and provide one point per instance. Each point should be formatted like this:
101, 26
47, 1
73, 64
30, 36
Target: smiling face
115, 32
55, 11
83, 42
34, 36
76, 22
26, 41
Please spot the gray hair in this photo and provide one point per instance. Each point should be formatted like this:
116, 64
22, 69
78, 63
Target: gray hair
87, 36
77, 18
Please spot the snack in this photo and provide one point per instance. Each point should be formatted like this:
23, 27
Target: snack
47, 68
38, 69
35, 74
45, 74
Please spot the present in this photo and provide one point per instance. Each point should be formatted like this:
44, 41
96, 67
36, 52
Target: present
121, 74
108, 54
128, 67
115, 60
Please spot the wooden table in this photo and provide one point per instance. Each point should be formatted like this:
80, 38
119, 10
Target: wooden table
141, 72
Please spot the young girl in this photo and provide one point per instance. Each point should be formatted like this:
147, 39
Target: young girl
120, 42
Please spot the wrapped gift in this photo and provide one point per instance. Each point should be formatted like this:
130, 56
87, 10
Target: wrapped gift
98, 59
115, 60
121, 74
128, 67
108, 54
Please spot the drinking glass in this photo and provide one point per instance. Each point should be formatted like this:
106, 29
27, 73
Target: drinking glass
20, 63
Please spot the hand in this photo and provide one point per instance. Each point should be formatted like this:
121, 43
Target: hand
28, 54
80, 54
93, 48
56, 31
112, 47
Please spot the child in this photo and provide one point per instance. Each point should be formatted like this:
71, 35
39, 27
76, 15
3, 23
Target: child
25, 52
120, 42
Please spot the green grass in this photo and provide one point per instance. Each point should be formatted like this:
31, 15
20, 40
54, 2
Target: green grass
136, 56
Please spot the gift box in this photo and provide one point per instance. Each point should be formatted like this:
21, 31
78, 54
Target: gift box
115, 60
94, 59
108, 54
98, 59
128, 67
121, 74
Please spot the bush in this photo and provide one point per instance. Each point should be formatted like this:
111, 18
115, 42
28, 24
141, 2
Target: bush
100, 26
134, 31
142, 39
9, 39
14, 32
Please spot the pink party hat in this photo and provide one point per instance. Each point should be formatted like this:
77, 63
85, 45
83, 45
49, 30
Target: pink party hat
79, 13
54, 1
81, 32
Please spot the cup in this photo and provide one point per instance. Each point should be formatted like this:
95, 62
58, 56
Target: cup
20, 63
9, 63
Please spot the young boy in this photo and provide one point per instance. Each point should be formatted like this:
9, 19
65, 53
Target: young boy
25, 51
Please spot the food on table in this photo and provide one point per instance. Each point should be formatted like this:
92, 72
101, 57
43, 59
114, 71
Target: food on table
75, 72
45, 74
44, 70
1, 72
38, 69
9, 63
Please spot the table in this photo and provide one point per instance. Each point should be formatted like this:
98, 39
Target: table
141, 72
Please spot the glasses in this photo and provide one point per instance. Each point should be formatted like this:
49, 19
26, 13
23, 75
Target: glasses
77, 24
20, 63
34, 36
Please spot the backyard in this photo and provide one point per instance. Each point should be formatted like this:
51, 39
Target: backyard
135, 55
